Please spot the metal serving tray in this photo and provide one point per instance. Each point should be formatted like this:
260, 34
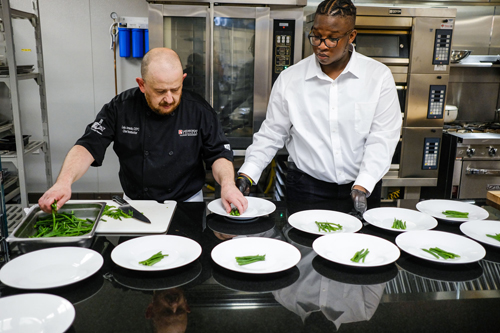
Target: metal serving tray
25, 229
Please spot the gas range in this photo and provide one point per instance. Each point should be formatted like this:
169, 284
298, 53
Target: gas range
472, 127
480, 145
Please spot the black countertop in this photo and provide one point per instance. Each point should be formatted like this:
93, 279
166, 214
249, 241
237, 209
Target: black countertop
411, 295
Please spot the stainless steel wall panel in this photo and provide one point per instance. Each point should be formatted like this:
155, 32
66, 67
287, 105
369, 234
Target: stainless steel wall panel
495, 33
473, 28
475, 102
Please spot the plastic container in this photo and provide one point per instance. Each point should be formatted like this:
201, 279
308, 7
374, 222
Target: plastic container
124, 38
450, 113
137, 43
146, 41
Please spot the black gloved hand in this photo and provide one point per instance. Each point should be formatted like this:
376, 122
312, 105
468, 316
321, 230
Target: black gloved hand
359, 201
243, 184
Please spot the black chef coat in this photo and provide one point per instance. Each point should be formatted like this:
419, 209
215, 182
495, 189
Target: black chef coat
161, 157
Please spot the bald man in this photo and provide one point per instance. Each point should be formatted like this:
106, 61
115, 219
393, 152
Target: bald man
162, 141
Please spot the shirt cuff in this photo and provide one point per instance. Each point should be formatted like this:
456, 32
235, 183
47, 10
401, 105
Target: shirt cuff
367, 181
251, 171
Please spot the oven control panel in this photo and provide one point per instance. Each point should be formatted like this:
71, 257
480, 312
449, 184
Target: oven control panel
442, 47
431, 150
283, 46
436, 103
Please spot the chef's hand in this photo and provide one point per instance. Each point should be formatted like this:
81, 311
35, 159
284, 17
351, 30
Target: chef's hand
57, 192
230, 194
358, 196
243, 183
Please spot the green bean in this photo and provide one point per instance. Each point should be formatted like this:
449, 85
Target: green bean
399, 224
235, 212
360, 255
249, 259
437, 252
455, 214
327, 226
496, 236
155, 258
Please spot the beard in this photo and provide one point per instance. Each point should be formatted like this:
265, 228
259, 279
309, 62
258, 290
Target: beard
158, 109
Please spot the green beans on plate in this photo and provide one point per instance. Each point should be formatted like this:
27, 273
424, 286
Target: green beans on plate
155, 258
249, 259
328, 226
437, 252
399, 224
455, 214
360, 255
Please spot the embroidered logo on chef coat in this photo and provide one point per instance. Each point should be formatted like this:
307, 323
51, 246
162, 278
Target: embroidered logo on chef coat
189, 132
97, 127
130, 129
227, 146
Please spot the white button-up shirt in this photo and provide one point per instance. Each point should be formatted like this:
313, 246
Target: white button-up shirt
337, 131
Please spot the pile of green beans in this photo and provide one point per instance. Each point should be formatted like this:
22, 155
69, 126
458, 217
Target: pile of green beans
62, 225
115, 213
495, 236
437, 252
234, 212
360, 255
455, 214
327, 226
153, 259
399, 224
249, 259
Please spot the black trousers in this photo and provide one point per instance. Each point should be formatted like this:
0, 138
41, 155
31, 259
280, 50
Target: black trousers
304, 189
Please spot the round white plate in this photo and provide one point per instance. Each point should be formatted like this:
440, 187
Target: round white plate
479, 229
383, 217
436, 207
29, 313
413, 242
181, 251
305, 221
256, 207
280, 255
51, 268
340, 248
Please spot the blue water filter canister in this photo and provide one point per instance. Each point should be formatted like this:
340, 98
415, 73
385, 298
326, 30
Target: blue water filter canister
146, 41
137, 43
124, 42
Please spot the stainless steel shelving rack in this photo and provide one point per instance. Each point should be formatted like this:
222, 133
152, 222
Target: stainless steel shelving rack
17, 157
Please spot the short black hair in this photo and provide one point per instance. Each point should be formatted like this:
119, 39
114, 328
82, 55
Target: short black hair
343, 8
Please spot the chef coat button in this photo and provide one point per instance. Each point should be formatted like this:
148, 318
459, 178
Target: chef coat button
146, 153
170, 153
146, 189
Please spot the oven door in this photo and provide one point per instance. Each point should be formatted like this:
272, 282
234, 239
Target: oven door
477, 178
388, 47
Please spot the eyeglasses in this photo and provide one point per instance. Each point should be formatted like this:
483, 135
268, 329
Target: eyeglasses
329, 42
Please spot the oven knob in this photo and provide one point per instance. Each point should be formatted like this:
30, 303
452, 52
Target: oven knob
471, 151
492, 151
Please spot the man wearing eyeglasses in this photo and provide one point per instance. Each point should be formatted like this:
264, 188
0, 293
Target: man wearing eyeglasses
338, 114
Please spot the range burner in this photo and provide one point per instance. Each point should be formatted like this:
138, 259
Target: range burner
472, 128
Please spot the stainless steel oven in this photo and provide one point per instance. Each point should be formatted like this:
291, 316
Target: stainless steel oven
470, 166
232, 52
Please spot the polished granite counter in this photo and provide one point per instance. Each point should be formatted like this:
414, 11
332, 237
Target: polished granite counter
411, 295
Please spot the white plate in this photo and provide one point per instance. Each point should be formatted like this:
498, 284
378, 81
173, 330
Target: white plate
340, 248
51, 268
414, 241
383, 217
29, 313
280, 255
305, 221
256, 207
181, 251
436, 207
479, 229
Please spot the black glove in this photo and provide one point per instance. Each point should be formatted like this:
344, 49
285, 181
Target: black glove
243, 184
359, 201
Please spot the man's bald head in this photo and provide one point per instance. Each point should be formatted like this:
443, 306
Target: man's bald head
161, 59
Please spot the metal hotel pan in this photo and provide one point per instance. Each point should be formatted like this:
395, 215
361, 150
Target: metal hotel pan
21, 234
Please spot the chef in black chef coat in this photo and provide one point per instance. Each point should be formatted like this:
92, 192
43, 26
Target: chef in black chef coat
161, 141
